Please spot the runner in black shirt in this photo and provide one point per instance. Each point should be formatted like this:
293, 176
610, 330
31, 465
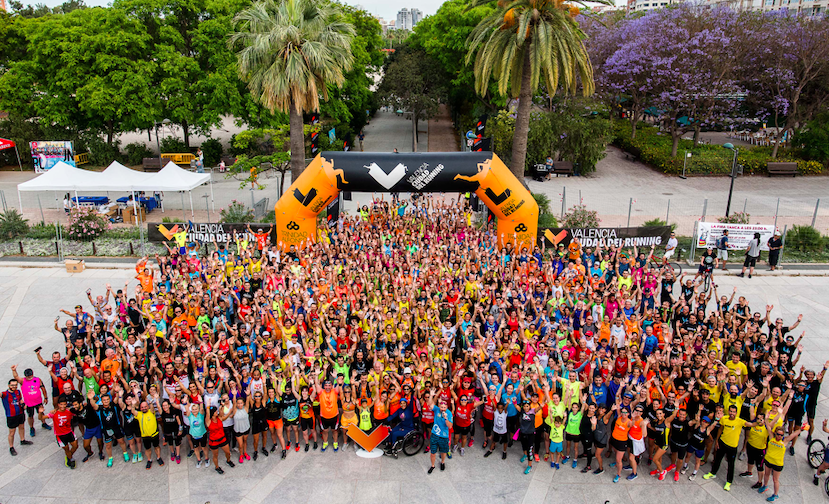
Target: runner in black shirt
86, 412
111, 427
171, 426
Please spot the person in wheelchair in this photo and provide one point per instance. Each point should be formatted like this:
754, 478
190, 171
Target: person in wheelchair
401, 422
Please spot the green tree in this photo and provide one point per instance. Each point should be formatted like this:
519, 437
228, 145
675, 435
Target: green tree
196, 77
86, 71
289, 52
413, 81
523, 43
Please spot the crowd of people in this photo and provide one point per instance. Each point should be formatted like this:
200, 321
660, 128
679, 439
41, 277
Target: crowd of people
408, 314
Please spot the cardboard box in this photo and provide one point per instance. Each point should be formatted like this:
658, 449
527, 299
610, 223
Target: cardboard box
75, 265
128, 214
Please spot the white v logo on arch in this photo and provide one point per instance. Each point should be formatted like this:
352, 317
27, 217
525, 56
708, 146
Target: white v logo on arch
387, 180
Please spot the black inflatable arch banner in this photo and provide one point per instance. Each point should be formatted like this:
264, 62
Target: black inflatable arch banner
480, 172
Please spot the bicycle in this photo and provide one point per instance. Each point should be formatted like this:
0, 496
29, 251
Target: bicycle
659, 265
706, 278
815, 455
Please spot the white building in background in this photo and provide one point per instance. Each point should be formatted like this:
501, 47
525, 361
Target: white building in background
407, 19
385, 24
645, 5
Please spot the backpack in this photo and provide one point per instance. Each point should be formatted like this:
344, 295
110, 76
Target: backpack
721, 242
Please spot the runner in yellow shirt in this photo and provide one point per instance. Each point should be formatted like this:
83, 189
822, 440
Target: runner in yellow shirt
775, 457
731, 426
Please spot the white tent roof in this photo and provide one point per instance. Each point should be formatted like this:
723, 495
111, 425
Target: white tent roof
173, 178
116, 177
62, 177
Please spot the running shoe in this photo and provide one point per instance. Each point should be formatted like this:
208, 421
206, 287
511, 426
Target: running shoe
552, 464
178, 459
488, 453
161, 462
727, 487
693, 476
315, 445
140, 457
536, 458
745, 474
574, 464
256, 455
791, 452
430, 470
504, 456
528, 469
46, 426
190, 454
442, 466
336, 447
284, 453
230, 463
242, 458
449, 455
198, 464
172, 457
598, 471
149, 464
247, 457
564, 460
126, 457
100, 455
772, 498
296, 448
684, 469
676, 475
662, 475
109, 462
628, 467
71, 464
815, 480
13, 451
307, 447
324, 447
32, 431
616, 479
632, 476
470, 443
654, 472
762, 489
463, 450
756, 485
709, 476
670, 468
523, 458
586, 469
86, 457
273, 448
219, 470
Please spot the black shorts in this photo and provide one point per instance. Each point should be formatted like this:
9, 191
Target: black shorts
680, 450
200, 442
619, 445
131, 431
289, 423
500, 438
16, 420
811, 409
774, 467
258, 427
150, 442
172, 439
32, 410
66, 439
750, 262
243, 433
306, 424
111, 434
488, 426
55, 391
796, 417
329, 423
600, 446
527, 441
185, 431
217, 445
756, 456
462, 431
572, 437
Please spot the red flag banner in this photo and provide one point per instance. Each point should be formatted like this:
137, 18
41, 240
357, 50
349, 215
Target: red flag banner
6, 144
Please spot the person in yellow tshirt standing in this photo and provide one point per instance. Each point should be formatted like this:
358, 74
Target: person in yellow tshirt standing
775, 455
731, 426
149, 431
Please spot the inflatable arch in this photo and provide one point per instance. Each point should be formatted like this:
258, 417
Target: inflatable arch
480, 172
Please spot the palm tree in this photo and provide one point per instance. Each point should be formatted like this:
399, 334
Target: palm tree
522, 43
289, 52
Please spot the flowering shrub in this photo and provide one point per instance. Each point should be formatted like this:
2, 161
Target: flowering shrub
580, 217
85, 224
735, 218
236, 212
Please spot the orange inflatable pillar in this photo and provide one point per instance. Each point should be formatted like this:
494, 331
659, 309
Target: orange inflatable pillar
297, 210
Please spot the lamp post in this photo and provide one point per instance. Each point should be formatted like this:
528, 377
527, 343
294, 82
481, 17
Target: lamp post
731, 147
165, 122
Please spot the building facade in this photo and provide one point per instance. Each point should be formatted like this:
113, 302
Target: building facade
408, 18
808, 7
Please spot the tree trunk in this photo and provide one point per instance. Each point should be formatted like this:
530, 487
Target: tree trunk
186, 129
633, 120
522, 120
696, 135
675, 136
297, 144
110, 129
414, 133
778, 137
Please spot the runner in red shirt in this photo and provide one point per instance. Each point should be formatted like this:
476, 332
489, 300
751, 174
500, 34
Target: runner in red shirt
62, 420
463, 420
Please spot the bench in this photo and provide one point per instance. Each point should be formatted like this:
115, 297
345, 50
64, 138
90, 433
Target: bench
563, 168
778, 168
151, 164
179, 158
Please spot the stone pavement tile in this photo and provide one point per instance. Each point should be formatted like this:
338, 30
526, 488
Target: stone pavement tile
402, 468
593, 493
416, 492
229, 487
65, 483
301, 489
135, 482
30, 500
507, 493
374, 491
715, 491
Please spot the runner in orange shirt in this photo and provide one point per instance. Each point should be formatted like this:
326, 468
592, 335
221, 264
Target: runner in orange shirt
329, 411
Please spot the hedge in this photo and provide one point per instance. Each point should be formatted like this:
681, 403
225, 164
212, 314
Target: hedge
654, 148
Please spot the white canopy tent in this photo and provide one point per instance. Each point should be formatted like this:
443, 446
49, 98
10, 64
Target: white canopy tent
117, 177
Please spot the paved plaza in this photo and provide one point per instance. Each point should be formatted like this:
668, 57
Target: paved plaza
30, 298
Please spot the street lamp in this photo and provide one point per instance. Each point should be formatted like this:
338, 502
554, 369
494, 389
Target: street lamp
165, 122
731, 147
